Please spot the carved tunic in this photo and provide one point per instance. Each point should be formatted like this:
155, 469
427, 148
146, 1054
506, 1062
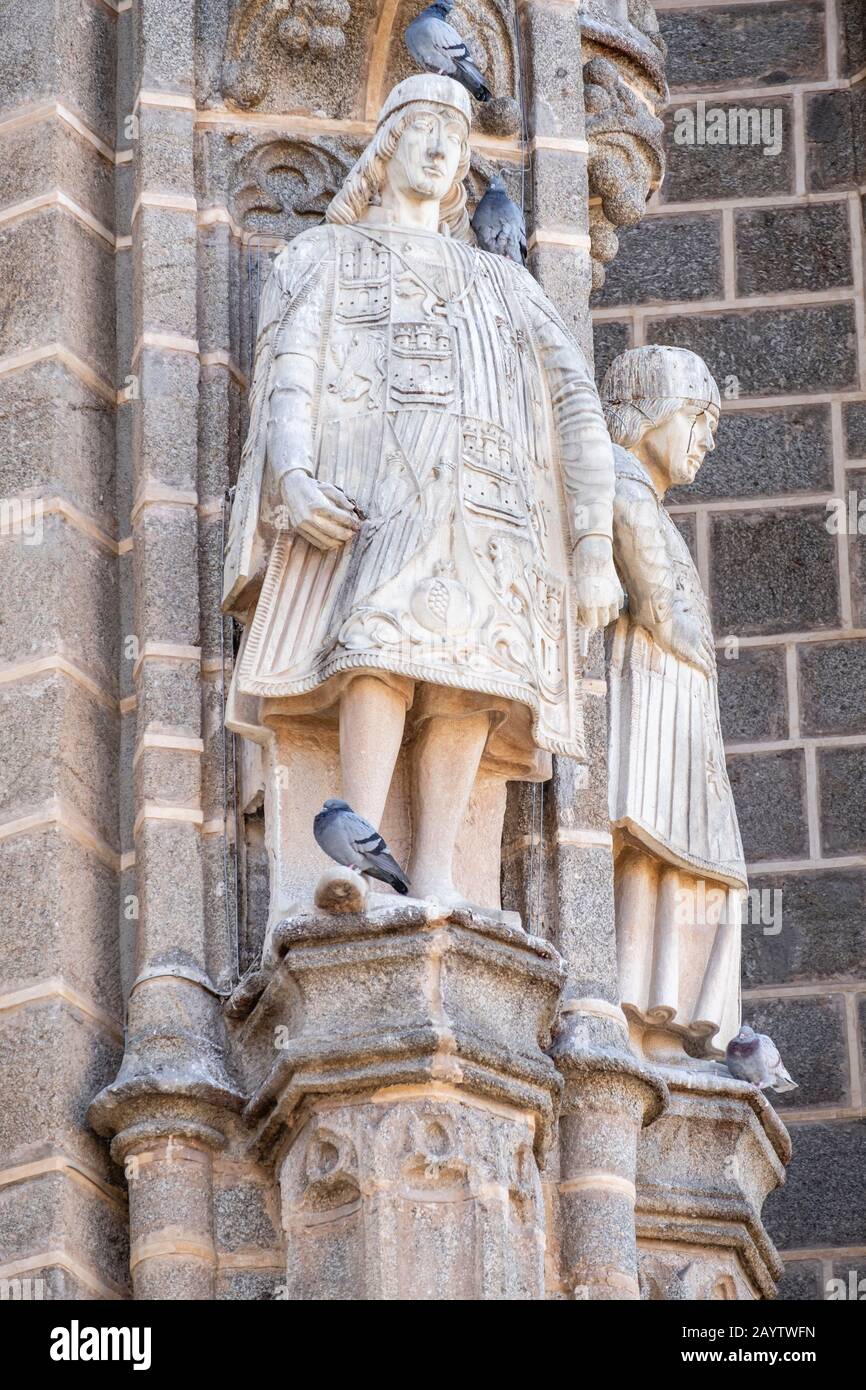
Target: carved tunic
437, 387
668, 783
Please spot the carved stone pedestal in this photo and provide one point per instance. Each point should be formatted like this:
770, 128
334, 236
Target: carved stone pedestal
425, 1195
401, 1090
704, 1170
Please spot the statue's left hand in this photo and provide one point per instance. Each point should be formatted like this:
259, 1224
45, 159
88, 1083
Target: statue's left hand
597, 588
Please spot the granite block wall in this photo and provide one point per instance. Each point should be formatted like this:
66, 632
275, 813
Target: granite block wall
752, 255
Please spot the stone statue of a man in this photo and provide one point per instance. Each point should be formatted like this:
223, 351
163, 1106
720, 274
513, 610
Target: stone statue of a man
679, 868
423, 514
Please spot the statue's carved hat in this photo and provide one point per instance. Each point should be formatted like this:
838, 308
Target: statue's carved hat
363, 183
657, 373
429, 87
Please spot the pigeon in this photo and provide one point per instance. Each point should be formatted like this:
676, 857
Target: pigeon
436, 45
353, 841
754, 1057
499, 225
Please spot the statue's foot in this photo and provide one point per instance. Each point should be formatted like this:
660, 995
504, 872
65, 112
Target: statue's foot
659, 1045
441, 891
442, 894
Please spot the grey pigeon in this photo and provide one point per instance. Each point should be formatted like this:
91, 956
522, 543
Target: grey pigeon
353, 841
498, 223
436, 45
754, 1057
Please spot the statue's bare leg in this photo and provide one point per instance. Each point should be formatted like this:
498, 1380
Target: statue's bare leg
445, 764
372, 716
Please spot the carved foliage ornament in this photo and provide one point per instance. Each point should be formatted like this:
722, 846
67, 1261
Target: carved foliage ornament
276, 51
626, 157
314, 24
625, 89
632, 37
283, 186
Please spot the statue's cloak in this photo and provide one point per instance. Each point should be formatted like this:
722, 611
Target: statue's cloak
437, 387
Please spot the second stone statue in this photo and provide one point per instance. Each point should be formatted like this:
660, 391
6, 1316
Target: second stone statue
422, 525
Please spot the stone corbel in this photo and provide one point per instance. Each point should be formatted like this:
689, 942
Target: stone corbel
704, 1170
624, 91
625, 163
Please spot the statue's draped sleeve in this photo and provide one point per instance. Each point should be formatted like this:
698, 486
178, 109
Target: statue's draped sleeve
642, 556
282, 404
582, 440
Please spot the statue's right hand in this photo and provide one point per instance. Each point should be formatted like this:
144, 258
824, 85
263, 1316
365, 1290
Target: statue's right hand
319, 512
687, 640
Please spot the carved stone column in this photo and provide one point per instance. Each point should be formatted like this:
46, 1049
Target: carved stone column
167, 1108
557, 154
168, 1113
400, 1088
566, 866
609, 1097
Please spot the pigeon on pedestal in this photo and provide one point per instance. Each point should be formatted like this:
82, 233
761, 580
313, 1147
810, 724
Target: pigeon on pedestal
354, 842
754, 1057
499, 225
436, 45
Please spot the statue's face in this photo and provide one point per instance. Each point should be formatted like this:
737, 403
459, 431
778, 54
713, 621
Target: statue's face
679, 444
426, 159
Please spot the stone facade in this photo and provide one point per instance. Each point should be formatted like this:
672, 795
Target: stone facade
156, 1142
756, 262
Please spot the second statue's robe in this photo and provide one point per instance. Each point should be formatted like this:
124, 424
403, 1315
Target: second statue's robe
437, 387
668, 782
671, 804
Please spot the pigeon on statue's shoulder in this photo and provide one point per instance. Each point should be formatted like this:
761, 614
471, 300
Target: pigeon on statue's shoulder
498, 223
754, 1057
353, 842
436, 45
